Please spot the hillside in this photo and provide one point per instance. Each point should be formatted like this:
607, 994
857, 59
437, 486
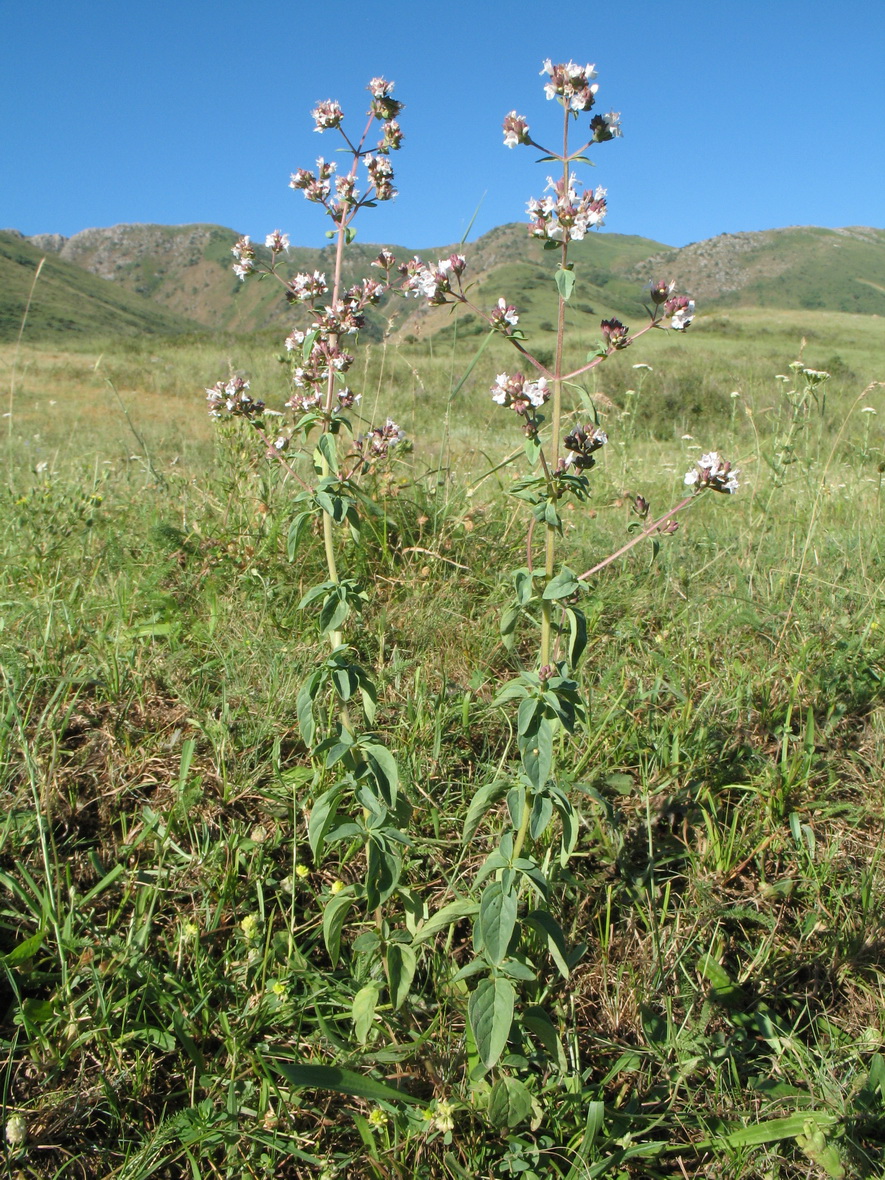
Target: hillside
170, 278
800, 267
68, 299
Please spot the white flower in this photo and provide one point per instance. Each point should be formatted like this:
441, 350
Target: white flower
508, 313
536, 391
16, 1130
712, 471
683, 317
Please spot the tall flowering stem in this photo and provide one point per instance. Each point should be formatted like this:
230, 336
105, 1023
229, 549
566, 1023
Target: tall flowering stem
317, 356
355, 773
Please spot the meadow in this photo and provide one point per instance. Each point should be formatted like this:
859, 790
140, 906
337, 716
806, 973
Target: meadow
185, 967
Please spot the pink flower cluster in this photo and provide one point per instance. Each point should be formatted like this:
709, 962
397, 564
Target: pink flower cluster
518, 394
581, 444
321, 354
317, 185
378, 441
244, 252
384, 108
516, 130
714, 472
327, 115
503, 318
605, 127
277, 242
566, 216
433, 283
304, 288
232, 397
572, 84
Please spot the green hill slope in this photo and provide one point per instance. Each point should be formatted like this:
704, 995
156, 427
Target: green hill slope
68, 299
801, 267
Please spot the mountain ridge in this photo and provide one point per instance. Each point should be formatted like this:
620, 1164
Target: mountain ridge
183, 274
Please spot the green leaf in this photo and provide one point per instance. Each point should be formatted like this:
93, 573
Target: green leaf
773, 1130
490, 1011
565, 283
327, 451
401, 964
334, 611
536, 1020
37, 1011
334, 915
551, 516
314, 593
322, 816
515, 805
454, 912
723, 989
362, 1011
383, 869
510, 1103
510, 692
25, 951
486, 797
497, 920
524, 584
546, 925
370, 700
532, 449
592, 1127
542, 813
509, 619
296, 531
536, 749
341, 1081
526, 715
382, 765
577, 643
564, 585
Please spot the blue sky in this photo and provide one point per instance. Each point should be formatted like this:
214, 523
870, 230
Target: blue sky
736, 116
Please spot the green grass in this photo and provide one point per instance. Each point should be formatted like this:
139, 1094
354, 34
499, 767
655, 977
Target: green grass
160, 911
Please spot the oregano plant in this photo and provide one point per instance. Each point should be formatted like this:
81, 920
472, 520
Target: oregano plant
518, 935
357, 801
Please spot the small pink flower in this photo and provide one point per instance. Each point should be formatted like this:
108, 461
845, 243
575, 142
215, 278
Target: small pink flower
681, 308
386, 260
383, 106
393, 137
518, 394
605, 127
381, 175
714, 472
277, 241
327, 115
503, 318
571, 84
516, 130
233, 397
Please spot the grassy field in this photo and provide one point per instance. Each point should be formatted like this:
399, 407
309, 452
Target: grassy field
173, 953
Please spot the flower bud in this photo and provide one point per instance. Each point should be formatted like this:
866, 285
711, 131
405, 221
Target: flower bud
615, 334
